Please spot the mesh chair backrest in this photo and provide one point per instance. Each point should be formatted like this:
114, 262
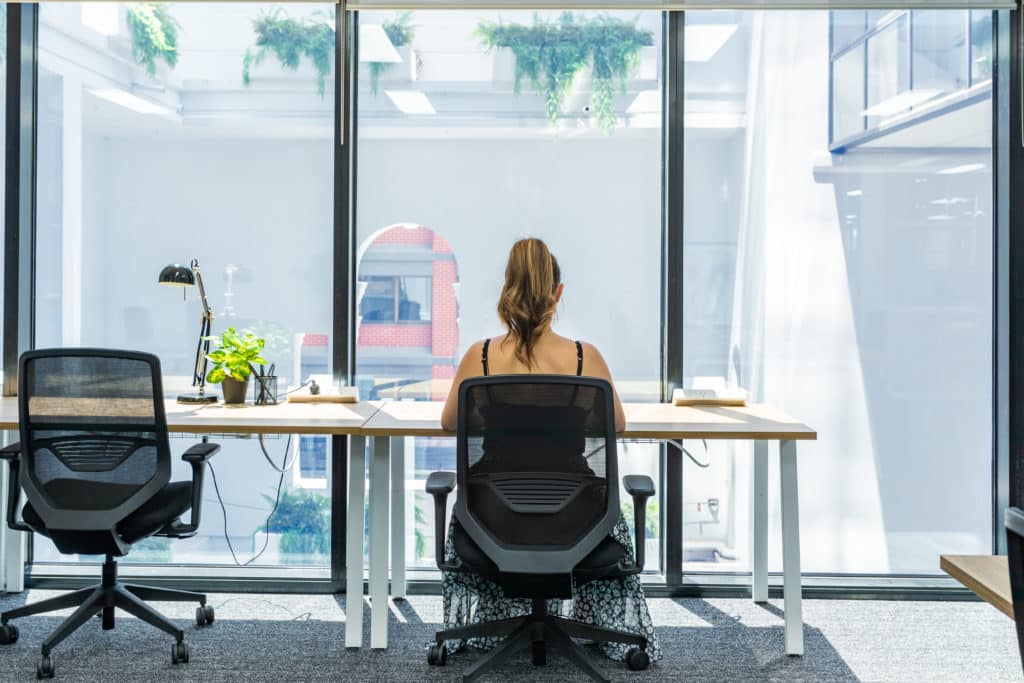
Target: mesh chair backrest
93, 434
537, 468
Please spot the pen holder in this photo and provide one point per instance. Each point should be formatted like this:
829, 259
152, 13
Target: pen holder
265, 390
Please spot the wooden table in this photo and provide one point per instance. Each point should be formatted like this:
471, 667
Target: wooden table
762, 424
988, 576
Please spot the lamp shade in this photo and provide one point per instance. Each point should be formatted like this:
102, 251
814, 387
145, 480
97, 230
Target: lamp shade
176, 274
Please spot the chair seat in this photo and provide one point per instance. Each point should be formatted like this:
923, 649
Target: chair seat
601, 562
168, 504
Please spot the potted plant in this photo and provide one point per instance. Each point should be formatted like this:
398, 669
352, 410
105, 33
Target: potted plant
233, 362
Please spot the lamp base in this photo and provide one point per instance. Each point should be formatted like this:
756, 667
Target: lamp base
197, 398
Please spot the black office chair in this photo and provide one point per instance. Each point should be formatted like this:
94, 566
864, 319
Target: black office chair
95, 464
537, 497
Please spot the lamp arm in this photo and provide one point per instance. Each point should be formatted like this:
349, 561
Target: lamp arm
203, 347
207, 313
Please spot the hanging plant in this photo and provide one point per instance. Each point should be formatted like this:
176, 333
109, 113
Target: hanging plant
550, 54
400, 31
154, 34
289, 40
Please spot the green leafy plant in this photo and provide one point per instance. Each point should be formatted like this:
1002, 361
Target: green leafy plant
234, 356
400, 31
289, 40
551, 53
303, 518
154, 34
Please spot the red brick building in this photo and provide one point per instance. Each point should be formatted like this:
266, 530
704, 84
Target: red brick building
408, 310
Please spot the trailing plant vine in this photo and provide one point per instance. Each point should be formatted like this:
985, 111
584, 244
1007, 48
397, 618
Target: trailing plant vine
551, 53
154, 34
289, 40
400, 31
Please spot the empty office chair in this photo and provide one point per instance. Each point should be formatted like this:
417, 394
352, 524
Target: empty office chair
95, 465
537, 497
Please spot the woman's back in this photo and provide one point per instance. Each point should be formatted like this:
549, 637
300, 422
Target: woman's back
552, 355
526, 306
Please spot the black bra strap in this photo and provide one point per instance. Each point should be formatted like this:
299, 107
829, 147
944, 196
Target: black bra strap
579, 359
483, 356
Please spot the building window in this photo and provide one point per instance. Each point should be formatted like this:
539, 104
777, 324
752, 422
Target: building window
396, 298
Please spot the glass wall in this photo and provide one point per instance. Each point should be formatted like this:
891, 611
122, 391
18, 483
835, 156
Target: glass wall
463, 150
193, 141
851, 289
837, 250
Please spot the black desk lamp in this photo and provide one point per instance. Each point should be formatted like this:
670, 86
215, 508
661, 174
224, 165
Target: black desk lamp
182, 276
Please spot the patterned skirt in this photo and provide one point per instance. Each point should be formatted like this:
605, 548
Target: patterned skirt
616, 603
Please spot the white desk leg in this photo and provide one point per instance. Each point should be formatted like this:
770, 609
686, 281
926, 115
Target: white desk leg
354, 542
759, 589
379, 486
398, 517
791, 549
12, 544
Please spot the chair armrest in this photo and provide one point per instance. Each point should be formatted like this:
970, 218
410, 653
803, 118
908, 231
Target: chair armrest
11, 451
439, 485
12, 454
640, 487
196, 455
200, 452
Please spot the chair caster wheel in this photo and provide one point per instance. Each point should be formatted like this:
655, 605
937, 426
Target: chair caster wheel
45, 667
540, 653
637, 659
437, 655
8, 634
179, 653
204, 615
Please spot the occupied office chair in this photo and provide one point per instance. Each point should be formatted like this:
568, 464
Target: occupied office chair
95, 464
537, 497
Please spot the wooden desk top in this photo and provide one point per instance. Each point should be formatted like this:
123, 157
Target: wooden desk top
988, 576
643, 421
283, 418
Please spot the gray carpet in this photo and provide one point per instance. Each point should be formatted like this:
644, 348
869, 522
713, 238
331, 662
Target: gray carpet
299, 638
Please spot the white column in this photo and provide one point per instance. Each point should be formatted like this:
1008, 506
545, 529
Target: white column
398, 517
791, 549
759, 556
72, 177
379, 487
356, 519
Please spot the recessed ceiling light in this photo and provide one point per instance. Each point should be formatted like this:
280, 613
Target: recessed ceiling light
900, 103
963, 168
703, 41
128, 101
410, 101
854, 193
375, 46
949, 201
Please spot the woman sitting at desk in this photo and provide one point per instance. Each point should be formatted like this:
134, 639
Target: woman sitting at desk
527, 303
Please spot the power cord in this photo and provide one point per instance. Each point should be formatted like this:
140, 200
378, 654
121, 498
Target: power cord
277, 500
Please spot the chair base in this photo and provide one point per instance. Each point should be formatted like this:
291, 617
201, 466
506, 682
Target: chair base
102, 599
541, 632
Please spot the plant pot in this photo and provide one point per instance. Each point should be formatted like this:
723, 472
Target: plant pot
234, 390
